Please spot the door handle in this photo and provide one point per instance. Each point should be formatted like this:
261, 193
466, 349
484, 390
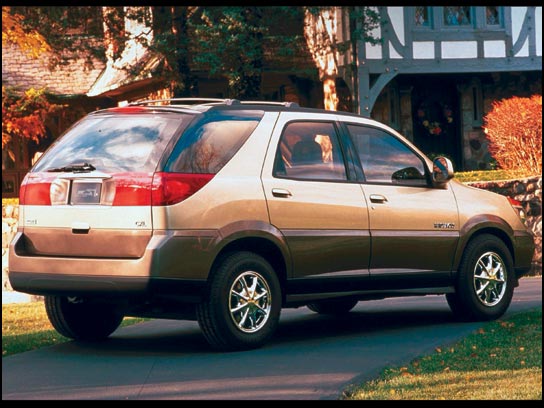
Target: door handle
378, 198
281, 193
80, 227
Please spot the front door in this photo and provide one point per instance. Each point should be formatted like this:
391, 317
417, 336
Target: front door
435, 117
414, 227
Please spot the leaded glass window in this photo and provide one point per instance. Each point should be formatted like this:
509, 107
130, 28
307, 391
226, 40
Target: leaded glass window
421, 16
492, 15
457, 16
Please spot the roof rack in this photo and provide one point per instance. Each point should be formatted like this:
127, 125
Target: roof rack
213, 101
189, 101
286, 104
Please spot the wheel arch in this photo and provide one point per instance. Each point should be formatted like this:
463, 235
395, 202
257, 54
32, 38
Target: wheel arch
484, 224
259, 238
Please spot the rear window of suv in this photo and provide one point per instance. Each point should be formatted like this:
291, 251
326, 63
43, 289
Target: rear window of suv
115, 143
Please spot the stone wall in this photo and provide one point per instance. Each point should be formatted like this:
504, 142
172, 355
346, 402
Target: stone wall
528, 191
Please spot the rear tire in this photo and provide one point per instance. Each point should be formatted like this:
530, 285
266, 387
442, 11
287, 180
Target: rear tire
82, 320
485, 281
332, 306
242, 307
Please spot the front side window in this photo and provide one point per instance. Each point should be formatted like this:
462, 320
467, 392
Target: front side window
385, 159
457, 16
310, 151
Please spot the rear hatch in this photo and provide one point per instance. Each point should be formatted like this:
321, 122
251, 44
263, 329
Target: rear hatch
91, 193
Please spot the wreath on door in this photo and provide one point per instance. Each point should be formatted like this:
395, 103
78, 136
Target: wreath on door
434, 118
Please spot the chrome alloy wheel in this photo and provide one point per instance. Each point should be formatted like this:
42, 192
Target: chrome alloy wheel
490, 279
250, 302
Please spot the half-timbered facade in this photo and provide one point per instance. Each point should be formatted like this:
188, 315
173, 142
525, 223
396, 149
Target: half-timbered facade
437, 70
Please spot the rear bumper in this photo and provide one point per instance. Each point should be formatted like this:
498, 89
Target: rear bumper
110, 287
169, 260
77, 285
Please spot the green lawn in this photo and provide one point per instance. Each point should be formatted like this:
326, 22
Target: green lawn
501, 361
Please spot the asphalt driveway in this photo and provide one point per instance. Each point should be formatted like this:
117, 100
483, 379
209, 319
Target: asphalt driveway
311, 357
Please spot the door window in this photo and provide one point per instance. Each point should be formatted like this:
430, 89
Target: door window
385, 159
309, 151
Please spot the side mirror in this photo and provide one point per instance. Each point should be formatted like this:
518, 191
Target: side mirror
442, 171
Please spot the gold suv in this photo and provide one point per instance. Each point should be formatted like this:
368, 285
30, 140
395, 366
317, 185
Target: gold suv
227, 211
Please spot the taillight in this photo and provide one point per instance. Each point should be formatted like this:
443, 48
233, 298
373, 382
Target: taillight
122, 189
518, 207
132, 189
35, 189
172, 188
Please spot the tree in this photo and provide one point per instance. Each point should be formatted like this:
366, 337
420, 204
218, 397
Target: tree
68, 31
232, 41
238, 33
224, 41
15, 32
23, 115
326, 46
172, 41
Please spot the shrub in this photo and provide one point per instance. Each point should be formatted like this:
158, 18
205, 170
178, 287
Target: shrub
514, 133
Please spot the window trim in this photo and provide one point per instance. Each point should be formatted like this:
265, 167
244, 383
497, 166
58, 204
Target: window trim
357, 160
341, 146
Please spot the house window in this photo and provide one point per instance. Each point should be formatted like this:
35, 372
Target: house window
492, 16
457, 16
422, 16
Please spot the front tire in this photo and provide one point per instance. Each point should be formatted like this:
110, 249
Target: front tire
485, 281
83, 320
332, 306
242, 307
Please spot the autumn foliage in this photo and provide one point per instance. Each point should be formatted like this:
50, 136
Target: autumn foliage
13, 31
514, 132
23, 115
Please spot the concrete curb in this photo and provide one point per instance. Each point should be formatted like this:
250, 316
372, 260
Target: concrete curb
10, 296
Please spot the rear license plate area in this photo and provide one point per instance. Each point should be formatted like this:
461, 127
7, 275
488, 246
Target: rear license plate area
85, 192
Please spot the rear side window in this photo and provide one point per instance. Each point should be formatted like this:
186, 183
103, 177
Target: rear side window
310, 151
208, 144
114, 143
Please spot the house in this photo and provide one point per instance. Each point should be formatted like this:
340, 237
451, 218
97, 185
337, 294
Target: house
437, 70
83, 88
433, 76
66, 85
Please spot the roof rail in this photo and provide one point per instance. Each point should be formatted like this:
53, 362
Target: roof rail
286, 104
189, 101
213, 101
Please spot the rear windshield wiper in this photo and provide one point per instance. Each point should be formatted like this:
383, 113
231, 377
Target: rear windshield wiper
75, 168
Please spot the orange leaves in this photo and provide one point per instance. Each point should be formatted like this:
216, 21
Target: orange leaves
507, 324
23, 116
14, 31
514, 130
